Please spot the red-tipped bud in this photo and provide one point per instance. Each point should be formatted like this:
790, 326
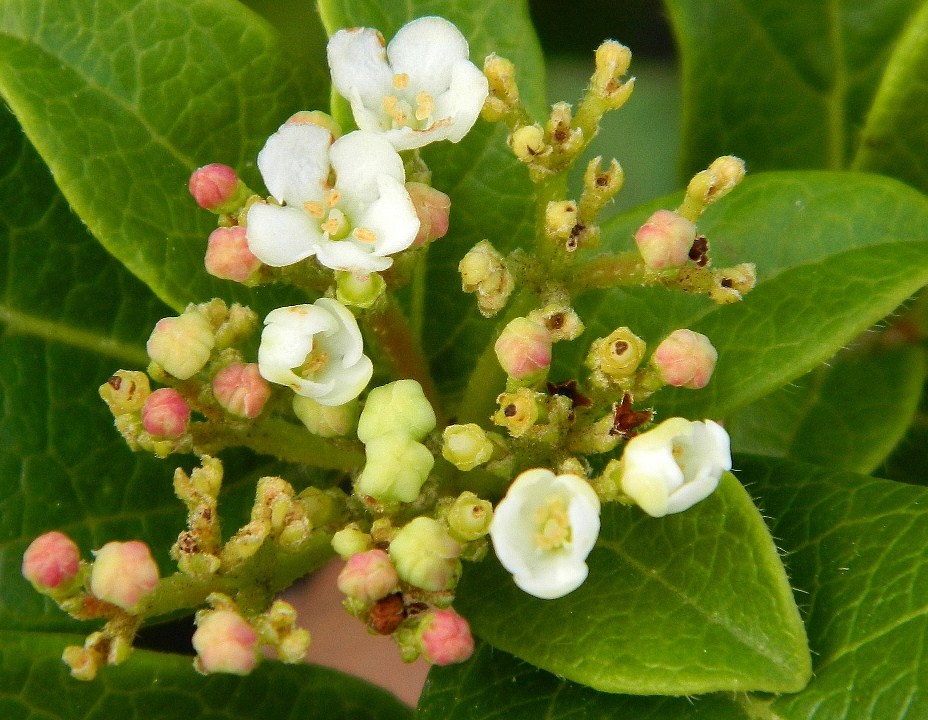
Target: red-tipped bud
51, 561
664, 241
446, 638
368, 576
228, 256
433, 208
124, 573
225, 643
214, 186
165, 414
241, 390
524, 348
685, 359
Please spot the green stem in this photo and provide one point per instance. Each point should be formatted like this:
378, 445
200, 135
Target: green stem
607, 271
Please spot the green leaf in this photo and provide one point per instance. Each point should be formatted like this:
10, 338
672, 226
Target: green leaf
846, 415
35, 684
894, 138
835, 252
124, 99
663, 610
781, 84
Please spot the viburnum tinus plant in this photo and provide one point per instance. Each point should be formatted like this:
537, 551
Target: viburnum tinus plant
364, 302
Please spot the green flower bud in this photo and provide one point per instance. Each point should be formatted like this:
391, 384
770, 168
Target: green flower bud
466, 446
396, 469
469, 517
616, 356
323, 420
125, 392
518, 411
350, 541
426, 556
359, 290
399, 408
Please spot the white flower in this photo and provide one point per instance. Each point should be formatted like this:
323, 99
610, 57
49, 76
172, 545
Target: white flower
316, 350
543, 530
675, 465
354, 225
418, 89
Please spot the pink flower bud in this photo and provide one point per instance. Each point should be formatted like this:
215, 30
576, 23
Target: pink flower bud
225, 643
213, 186
524, 348
228, 256
51, 561
123, 573
241, 390
685, 359
181, 345
665, 240
165, 414
446, 638
433, 208
368, 576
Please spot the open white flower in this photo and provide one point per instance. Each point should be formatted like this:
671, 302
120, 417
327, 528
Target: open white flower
316, 350
355, 224
418, 89
675, 465
543, 530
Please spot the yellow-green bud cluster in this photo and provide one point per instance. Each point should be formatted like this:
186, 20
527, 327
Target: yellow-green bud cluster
484, 272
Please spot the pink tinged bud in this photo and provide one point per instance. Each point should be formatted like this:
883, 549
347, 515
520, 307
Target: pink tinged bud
446, 638
664, 241
51, 561
524, 348
432, 208
225, 643
165, 414
123, 574
368, 576
228, 255
685, 359
241, 390
181, 345
213, 186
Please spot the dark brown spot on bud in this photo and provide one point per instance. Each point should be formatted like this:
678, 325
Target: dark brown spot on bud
115, 382
510, 410
569, 390
387, 614
602, 180
561, 134
726, 282
699, 252
555, 321
620, 347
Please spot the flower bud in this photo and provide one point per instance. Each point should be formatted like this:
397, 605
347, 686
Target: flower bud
397, 468
225, 643
518, 411
228, 256
485, 273
664, 241
51, 562
732, 283
217, 188
350, 541
400, 408
466, 446
685, 359
524, 349
181, 345
426, 556
711, 184
561, 321
501, 77
317, 117
123, 574
616, 356
433, 209
368, 576
560, 218
125, 392
445, 638
324, 420
358, 289
612, 62
528, 143
241, 390
165, 414
469, 517
599, 186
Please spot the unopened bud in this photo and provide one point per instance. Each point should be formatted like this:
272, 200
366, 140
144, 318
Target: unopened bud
445, 637
225, 643
400, 408
358, 289
165, 414
484, 272
324, 420
518, 411
501, 77
433, 209
466, 446
316, 117
711, 185
561, 321
612, 62
228, 256
664, 241
469, 517
528, 143
397, 468
217, 188
617, 355
368, 576
350, 540
181, 345
426, 556
124, 573
241, 390
524, 349
685, 359
125, 392
51, 562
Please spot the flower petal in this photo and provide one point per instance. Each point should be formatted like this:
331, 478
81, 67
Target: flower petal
351, 255
463, 100
392, 217
346, 336
426, 49
294, 163
358, 61
359, 159
280, 236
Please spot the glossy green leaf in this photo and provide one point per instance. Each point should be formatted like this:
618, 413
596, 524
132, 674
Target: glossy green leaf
663, 609
124, 99
855, 551
846, 415
35, 685
782, 84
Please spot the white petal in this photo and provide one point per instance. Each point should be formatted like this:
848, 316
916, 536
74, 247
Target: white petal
392, 217
294, 163
348, 384
350, 255
280, 236
358, 62
347, 336
426, 49
359, 159
463, 100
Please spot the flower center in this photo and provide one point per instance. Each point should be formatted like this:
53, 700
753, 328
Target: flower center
404, 110
552, 525
334, 222
315, 363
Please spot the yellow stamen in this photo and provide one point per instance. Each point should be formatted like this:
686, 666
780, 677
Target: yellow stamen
333, 198
425, 106
400, 81
315, 362
391, 106
553, 524
364, 235
314, 208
